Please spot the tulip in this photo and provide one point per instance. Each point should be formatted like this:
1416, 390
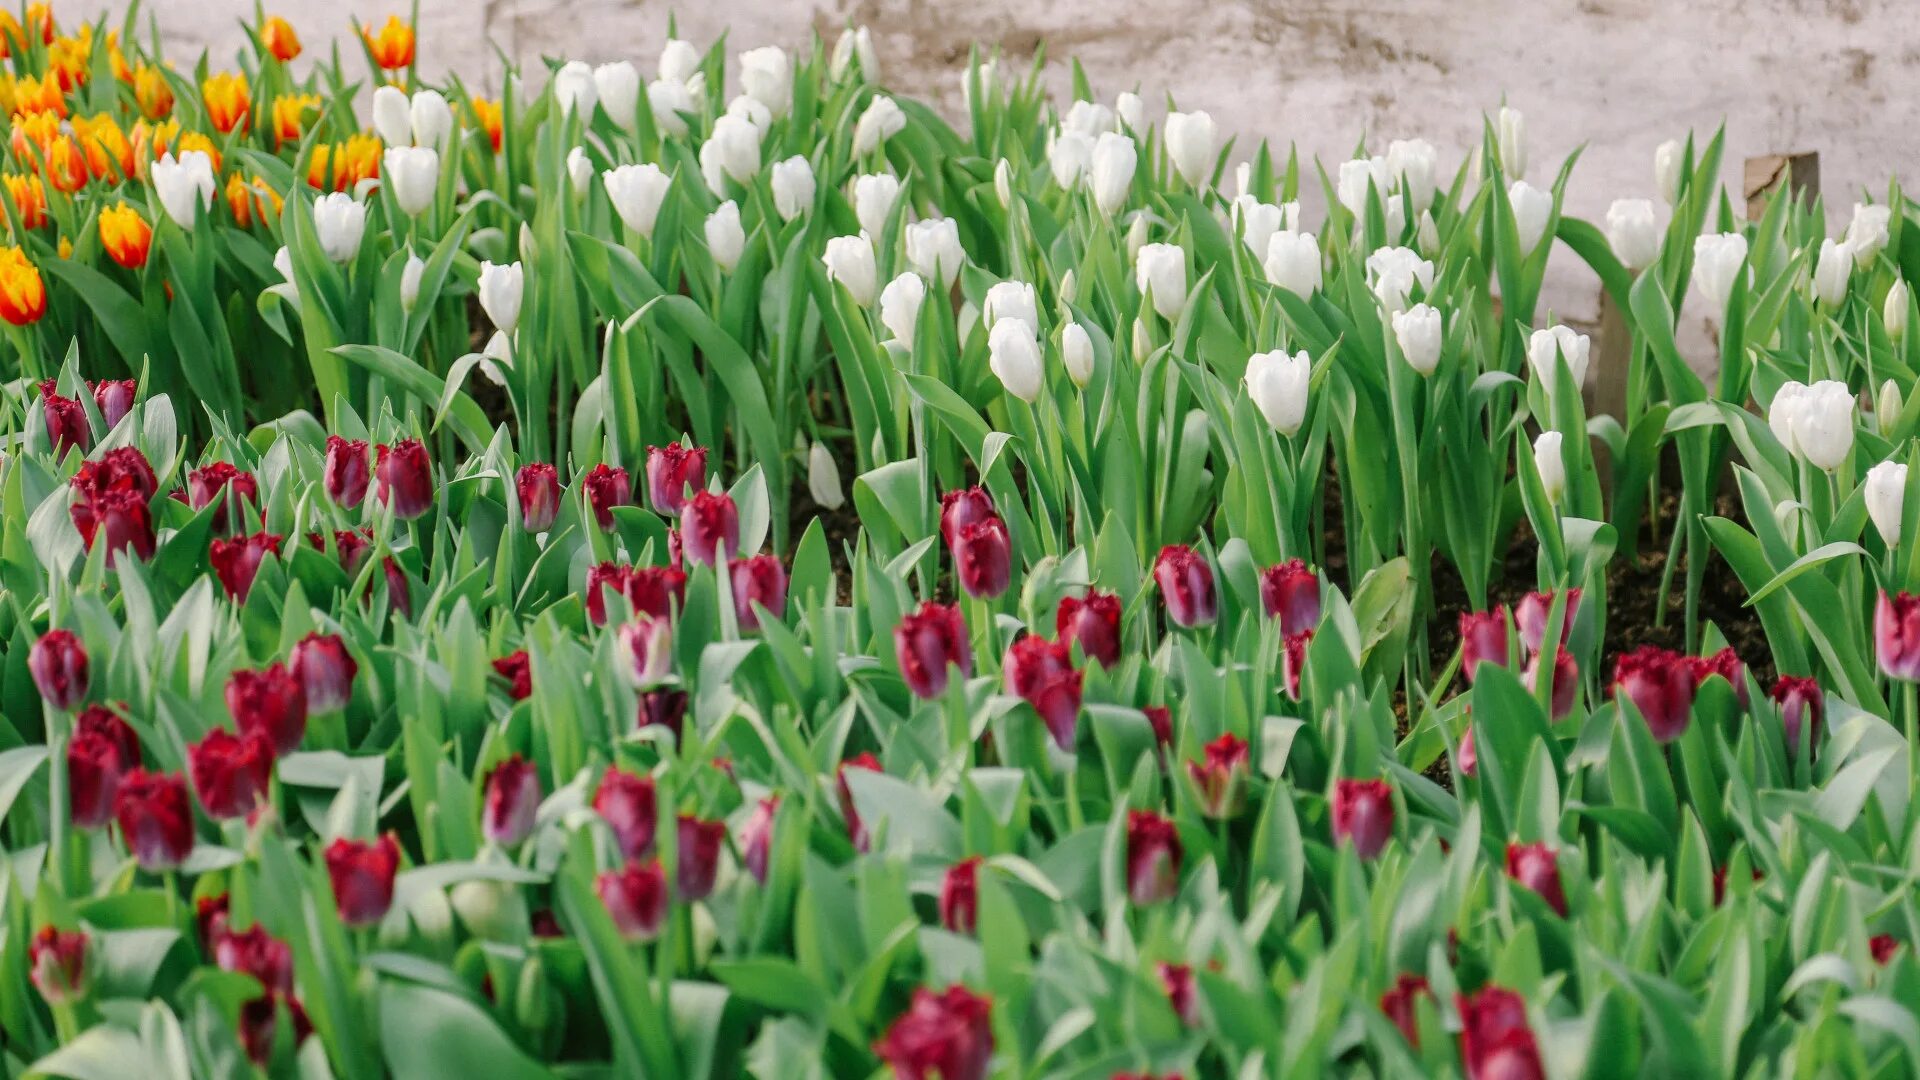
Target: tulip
726, 240
362, 873
1363, 814
1717, 259
1532, 612
221, 484
1894, 311
665, 707
948, 1034
399, 596
731, 152
793, 187
271, 701
123, 518
115, 399
1896, 636
1537, 867
1393, 272
1814, 423
679, 61
629, 806
1660, 683
934, 251
983, 558
636, 898
637, 193
579, 171
1153, 857
1802, 706
1111, 164
882, 120
1883, 947
95, 762
517, 669
960, 896
1131, 110
926, 643
255, 952
1466, 760
1069, 157
1400, 1003
120, 469
1013, 353
1556, 343
849, 261
1160, 271
57, 962
66, 420
1566, 679
414, 173
756, 837
325, 671
874, 197
766, 74
1293, 262
1418, 331
1003, 183
758, 582
350, 547
1076, 353
231, 774
1290, 592
574, 90
1495, 1041
392, 116
1531, 210
1012, 300
1220, 777
1193, 142
1633, 232
604, 575
1550, 466
1185, 579
1727, 664
1510, 135
1867, 231
432, 119
1092, 623
345, 473
1413, 164
501, 288
823, 478
856, 830
709, 527
1041, 673
184, 185
339, 222
1160, 719
1278, 384
236, 562
538, 486
210, 914
697, 856
672, 470
1483, 640
1259, 222
1359, 179
155, 819
1832, 273
606, 487
855, 44
646, 649
900, 306
512, 801
1667, 164
406, 478
127, 238
617, 88
58, 664
963, 507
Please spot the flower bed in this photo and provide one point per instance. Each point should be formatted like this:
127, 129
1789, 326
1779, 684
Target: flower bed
729, 573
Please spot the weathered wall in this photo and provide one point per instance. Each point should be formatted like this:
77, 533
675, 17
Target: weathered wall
1838, 76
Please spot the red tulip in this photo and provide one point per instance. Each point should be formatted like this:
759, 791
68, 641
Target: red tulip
210, 918
1466, 758
1093, 623
1566, 681
1659, 682
756, 837
107, 724
636, 897
121, 469
114, 398
627, 803
1483, 640
221, 484
960, 896
1293, 655
236, 562
231, 774
856, 829
709, 526
325, 670
1220, 777
1185, 579
345, 474
122, 518
697, 858
1801, 708
1726, 664
673, 470
1530, 617
103, 748
961, 508
1400, 1003
645, 651
1041, 672
666, 707
399, 594
1160, 718
926, 642
1153, 857
155, 819
762, 581
518, 671
1495, 1041
656, 591
58, 664
1537, 867
983, 558
406, 478
1883, 947
350, 546
1177, 981
255, 952
67, 426
513, 800
1290, 592
1363, 814
948, 1035
362, 873
606, 487
538, 486
271, 701
57, 963
606, 575
260, 1023
1896, 636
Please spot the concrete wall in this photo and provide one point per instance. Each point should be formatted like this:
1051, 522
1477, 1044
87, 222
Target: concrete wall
1838, 76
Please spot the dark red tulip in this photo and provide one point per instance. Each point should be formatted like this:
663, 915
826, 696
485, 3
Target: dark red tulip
709, 525
946, 1035
1566, 681
697, 858
926, 642
856, 829
236, 562
1495, 1041
1883, 947
1160, 718
1659, 682
1220, 776
1896, 636
1290, 592
406, 478
350, 547
1400, 1003
1177, 981
210, 919
762, 581
1530, 617
260, 1025
1293, 657
114, 398
518, 671
399, 593
325, 670
1483, 640
636, 897
756, 837
1185, 579
362, 873
606, 487
255, 952
673, 470
225, 486
1466, 758
538, 486
345, 473
67, 426
983, 558
120, 517
155, 819
120, 469
604, 576
513, 800
1041, 672
1153, 857
1363, 814
961, 508
1726, 664
1091, 622
1802, 706
58, 664
94, 767
271, 701
232, 774
57, 964
960, 896
628, 804
104, 722
1537, 867
665, 707
656, 591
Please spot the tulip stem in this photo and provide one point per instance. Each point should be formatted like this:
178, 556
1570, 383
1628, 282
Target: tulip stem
1910, 695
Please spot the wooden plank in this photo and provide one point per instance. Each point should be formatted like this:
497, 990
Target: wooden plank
1797, 172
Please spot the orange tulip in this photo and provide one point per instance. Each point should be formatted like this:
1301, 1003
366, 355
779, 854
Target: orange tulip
288, 111
227, 101
392, 46
32, 134
122, 70
29, 198
341, 166
40, 19
71, 59
251, 201
152, 92
31, 95
23, 296
109, 153
492, 118
66, 165
126, 236
278, 38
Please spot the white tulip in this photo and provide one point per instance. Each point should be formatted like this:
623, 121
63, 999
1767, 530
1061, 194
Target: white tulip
1142, 339
734, 147
637, 193
874, 196
431, 119
1138, 232
792, 187
184, 185
1076, 353
1393, 272
1090, 118
1193, 142
855, 44
1068, 156
1887, 499
1014, 355
1633, 232
499, 358
392, 116
410, 275
1114, 161
1412, 164
1359, 176
1067, 286
1426, 232
668, 100
1823, 422
1782, 410
1293, 262
1131, 110
900, 305
1258, 222
414, 174
1278, 384
1832, 272
1012, 300
1893, 311
766, 74
618, 87
679, 61
1550, 465
823, 478
752, 110
283, 264
1717, 258
1666, 170
501, 289
1003, 182
1547, 347
987, 75
849, 261
1510, 131
726, 240
1419, 331
339, 222
934, 251
1531, 209
1867, 232
574, 90
881, 121
1160, 271
579, 171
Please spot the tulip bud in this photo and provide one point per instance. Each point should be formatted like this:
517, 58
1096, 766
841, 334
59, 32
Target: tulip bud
271, 701
1131, 110
236, 562
823, 478
362, 874
184, 185
1822, 421
344, 474
1801, 707
1014, 355
1666, 170
1412, 164
1546, 348
1427, 233
1290, 592
926, 642
1012, 300
1483, 640
410, 275
1089, 118
758, 582
1537, 868
1111, 165
1566, 679
1092, 623
645, 651
628, 804
325, 670
1867, 233
1003, 183
1394, 272
432, 119
1832, 273
512, 801
854, 44
1547, 462
1220, 777
881, 121
1400, 1003
1160, 272
538, 487
1419, 331
1069, 157
155, 819
983, 558
232, 775
849, 261
339, 222
1278, 385
1531, 209
501, 289
697, 856
766, 74
517, 669
414, 174
948, 1034
1510, 134
709, 527
1886, 493
934, 251
405, 477
606, 488
1495, 1041
637, 192
1363, 814
636, 898
103, 749
726, 240
1717, 259
115, 399
1076, 353
1896, 636
1660, 684
793, 187
732, 151
617, 85
1153, 858
393, 116
579, 171
1357, 179
874, 197
672, 470
1633, 232
960, 896
574, 90
900, 306
1177, 981
58, 664
1293, 262
1893, 312
1185, 580
57, 962
1193, 142
664, 708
